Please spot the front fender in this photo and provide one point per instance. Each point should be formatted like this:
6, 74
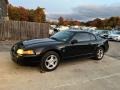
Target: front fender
42, 51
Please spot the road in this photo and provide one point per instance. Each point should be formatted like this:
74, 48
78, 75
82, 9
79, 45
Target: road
77, 74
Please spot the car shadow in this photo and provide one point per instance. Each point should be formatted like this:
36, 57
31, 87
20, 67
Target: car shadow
75, 60
63, 62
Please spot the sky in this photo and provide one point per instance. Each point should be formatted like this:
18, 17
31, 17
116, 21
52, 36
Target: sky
83, 10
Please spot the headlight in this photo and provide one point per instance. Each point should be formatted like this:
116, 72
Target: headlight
26, 52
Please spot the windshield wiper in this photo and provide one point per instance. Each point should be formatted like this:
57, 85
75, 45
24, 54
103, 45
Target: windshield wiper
56, 39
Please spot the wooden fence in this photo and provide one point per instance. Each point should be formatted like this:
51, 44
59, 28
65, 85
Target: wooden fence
17, 30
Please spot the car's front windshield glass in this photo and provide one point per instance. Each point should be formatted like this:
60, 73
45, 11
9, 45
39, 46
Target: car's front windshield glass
62, 36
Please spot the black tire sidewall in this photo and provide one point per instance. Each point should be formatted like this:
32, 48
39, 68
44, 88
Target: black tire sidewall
42, 63
96, 55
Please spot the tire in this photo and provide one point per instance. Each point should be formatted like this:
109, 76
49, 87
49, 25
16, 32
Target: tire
49, 61
99, 54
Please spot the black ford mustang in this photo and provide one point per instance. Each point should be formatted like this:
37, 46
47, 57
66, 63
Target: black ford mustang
49, 51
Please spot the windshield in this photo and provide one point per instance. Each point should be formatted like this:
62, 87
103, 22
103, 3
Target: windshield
62, 36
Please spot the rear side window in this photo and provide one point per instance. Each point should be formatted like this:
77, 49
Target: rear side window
92, 37
82, 37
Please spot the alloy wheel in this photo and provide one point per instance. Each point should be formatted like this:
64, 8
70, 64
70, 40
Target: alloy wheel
51, 61
100, 53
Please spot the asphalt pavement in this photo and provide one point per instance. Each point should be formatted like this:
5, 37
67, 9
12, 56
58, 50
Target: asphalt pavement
76, 74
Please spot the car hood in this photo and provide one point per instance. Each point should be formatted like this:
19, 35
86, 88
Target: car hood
39, 42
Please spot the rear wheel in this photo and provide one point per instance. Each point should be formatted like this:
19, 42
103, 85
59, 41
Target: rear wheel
50, 61
99, 54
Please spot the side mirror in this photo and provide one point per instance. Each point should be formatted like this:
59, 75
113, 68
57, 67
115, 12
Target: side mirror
74, 41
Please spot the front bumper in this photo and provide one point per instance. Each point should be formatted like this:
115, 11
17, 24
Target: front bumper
25, 59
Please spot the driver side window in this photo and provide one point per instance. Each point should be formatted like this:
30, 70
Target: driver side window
80, 37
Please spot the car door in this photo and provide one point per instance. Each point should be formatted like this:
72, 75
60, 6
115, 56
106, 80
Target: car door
82, 47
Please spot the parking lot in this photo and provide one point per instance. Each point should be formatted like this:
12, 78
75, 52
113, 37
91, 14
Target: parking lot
77, 74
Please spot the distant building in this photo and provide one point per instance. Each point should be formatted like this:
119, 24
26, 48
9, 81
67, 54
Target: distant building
4, 9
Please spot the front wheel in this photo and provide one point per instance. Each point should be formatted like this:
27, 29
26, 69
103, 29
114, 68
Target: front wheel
50, 61
99, 54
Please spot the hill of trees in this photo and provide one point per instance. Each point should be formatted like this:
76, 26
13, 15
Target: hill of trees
109, 23
64, 22
38, 15
23, 14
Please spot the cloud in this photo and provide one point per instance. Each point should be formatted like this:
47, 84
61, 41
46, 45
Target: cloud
89, 12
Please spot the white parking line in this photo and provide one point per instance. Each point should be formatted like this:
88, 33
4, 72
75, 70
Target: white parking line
104, 77
86, 81
65, 85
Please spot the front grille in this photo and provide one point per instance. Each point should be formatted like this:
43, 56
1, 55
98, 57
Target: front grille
16, 47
